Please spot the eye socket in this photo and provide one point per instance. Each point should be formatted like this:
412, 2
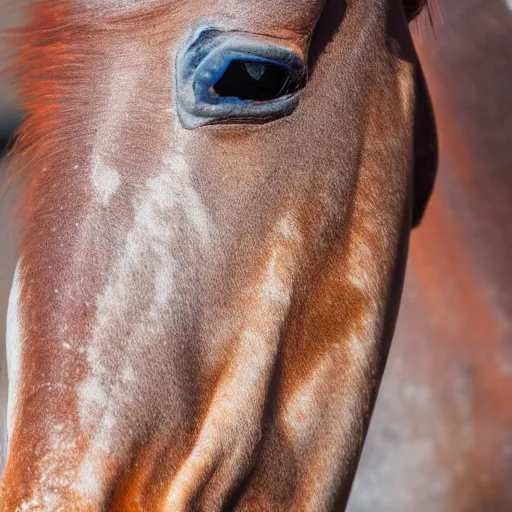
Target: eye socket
256, 81
236, 78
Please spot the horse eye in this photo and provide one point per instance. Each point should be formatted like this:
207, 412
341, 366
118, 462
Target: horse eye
255, 81
236, 77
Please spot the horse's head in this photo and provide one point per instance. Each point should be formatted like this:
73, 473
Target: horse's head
216, 214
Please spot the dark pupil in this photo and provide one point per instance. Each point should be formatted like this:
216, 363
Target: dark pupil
258, 81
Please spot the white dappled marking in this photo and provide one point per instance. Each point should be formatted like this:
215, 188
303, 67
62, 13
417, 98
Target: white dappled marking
13, 345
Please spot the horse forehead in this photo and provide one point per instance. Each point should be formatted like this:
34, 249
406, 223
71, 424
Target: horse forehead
242, 6
257, 10
115, 4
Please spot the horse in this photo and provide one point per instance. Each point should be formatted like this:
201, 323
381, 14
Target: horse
441, 433
216, 205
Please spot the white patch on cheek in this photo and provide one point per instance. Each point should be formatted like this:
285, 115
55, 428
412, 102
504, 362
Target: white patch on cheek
362, 273
509, 4
188, 198
89, 484
359, 260
105, 180
55, 477
93, 393
164, 286
128, 375
359, 346
168, 213
287, 228
231, 428
14, 338
122, 84
273, 289
301, 410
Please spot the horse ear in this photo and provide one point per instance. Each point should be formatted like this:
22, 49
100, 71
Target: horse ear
413, 8
425, 149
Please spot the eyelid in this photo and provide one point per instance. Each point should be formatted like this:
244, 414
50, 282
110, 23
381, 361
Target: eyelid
202, 63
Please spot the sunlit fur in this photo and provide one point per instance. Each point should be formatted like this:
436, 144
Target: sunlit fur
204, 315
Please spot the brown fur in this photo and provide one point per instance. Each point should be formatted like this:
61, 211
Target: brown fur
340, 170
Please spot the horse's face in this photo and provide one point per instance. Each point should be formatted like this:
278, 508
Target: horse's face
216, 222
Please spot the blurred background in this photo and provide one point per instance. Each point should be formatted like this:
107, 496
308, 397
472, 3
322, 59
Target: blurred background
441, 436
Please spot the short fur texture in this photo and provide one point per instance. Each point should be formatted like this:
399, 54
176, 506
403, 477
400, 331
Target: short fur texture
204, 316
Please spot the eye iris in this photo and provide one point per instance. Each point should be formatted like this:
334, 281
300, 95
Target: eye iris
256, 81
